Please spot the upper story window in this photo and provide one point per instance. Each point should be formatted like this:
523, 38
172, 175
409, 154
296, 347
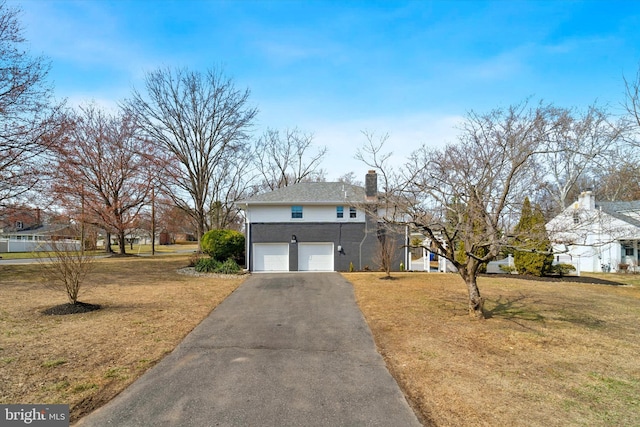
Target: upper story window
576, 218
296, 211
339, 211
352, 212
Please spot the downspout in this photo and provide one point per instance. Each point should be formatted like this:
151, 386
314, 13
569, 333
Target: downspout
366, 231
247, 224
407, 259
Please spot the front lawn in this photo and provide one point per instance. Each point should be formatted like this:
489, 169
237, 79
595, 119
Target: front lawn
86, 359
550, 354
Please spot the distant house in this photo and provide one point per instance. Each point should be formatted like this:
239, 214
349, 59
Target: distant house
318, 226
25, 230
597, 236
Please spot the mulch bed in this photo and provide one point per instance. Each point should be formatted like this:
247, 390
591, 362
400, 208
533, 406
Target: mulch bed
68, 308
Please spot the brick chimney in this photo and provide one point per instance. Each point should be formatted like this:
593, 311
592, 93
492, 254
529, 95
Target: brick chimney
371, 186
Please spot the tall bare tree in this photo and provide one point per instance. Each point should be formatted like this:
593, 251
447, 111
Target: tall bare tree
466, 197
285, 159
202, 120
388, 207
29, 121
617, 177
632, 102
580, 144
105, 166
230, 187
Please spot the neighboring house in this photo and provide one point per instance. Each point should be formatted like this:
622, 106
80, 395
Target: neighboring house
424, 259
318, 226
597, 237
34, 238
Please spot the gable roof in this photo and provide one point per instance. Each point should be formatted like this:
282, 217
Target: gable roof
310, 193
42, 230
618, 210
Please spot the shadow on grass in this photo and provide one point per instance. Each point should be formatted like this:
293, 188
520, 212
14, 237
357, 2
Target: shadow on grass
580, 319
513, 309
557, 279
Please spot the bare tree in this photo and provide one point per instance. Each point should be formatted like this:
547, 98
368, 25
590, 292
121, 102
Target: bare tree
202, 120
29, 122
632, 102
350, 178
389, 207
104, 167
579, 144
65, 266
618, 176
230, 187
466, 197
283, 160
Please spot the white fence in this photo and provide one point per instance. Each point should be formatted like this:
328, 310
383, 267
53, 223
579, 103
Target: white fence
9, 245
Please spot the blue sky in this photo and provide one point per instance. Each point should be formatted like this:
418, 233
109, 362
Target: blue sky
335, 68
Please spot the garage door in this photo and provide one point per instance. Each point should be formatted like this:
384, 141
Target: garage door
271, 257
315, 256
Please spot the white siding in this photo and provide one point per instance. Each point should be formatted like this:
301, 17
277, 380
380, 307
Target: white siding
310, 213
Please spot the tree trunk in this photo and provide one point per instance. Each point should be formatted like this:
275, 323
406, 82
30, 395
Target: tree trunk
121, 243
476, 302
107, 244
200, 232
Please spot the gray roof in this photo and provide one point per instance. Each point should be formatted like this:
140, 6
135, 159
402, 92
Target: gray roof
310, 193
618, 209
42, 230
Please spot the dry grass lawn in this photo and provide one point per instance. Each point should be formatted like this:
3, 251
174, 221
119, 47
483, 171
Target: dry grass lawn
551, 354
86, 359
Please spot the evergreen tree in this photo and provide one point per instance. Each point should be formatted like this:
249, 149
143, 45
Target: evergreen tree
532, 255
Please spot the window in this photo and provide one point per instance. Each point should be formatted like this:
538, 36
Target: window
339, 211
576, 218
19, 225
352, 212
296, 211
628, 251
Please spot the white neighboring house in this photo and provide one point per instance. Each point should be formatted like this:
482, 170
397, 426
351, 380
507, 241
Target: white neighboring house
597, 237
36, 239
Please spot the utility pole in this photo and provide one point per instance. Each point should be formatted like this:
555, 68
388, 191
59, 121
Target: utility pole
82, 222
153, 221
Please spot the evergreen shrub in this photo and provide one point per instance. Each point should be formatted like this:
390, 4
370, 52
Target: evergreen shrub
223, 244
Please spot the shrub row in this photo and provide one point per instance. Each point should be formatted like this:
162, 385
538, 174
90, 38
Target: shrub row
210, 265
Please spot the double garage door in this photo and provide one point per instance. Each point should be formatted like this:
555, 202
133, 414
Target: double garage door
275, 256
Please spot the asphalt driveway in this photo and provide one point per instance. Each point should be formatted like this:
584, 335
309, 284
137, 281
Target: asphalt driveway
289, 349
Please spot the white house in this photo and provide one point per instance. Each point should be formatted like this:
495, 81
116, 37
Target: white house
36, 239
597, 237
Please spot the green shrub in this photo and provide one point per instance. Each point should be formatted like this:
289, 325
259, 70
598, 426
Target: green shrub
562, 269
207, 265
223, 244
229, 267
508, 269
210, 265
532, 247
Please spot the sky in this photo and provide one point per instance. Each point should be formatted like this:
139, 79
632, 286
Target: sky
410, 69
